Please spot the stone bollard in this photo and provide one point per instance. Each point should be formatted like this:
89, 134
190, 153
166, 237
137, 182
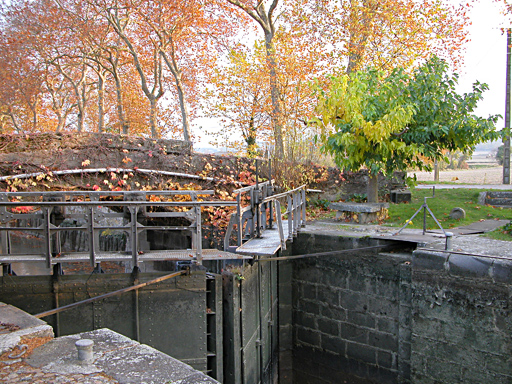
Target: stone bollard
84, 348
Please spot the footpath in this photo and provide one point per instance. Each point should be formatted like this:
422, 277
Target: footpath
466, 239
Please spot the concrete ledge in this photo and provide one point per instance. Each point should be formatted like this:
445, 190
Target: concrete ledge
117, 356
429, 260
496, 198
469, 266
502, 271
487, 268
28, 327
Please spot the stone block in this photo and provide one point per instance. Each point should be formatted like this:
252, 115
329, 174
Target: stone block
382, 375
304, 319
359, 207
328, 295
405, 294
457, 213
354, 301
386, 359
384, 341
357, 283
309, 291
398, 196
333, 344
361, 213
334, 312
285, 314
361, 319
502, 271
352, 332
388, 325
387, 288
429, 260
309, 306
404, 371
330, 327
475, 375
362, 352
383, 307
308, 336
444, 371
431, 328
469, 266
286, 337
404, 350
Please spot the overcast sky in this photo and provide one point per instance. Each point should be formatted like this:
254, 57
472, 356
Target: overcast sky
485, 58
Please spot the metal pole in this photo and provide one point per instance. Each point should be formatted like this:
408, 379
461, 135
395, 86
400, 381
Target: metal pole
271, 213
100, 297
257, 203
506, 140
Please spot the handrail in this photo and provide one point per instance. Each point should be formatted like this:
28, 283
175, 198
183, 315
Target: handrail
251, 187
55, 204
283, 194
250, 221
113, 193
254, 219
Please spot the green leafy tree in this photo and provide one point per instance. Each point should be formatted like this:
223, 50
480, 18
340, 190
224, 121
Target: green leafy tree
393, 122
444, 120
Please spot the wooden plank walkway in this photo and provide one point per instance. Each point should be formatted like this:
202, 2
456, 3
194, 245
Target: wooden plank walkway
267, 245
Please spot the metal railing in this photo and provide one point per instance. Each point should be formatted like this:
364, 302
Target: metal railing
258, 215
41, 213
42, 216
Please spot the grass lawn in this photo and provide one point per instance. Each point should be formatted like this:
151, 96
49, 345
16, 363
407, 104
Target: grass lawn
441, 205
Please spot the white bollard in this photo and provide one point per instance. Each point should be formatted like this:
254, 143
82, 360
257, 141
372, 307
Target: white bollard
84, 348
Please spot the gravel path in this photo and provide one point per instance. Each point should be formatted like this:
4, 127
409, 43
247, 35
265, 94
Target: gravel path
492, 175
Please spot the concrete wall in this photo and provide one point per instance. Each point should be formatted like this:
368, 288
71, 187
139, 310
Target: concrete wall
346, 312
424, 317
461, 324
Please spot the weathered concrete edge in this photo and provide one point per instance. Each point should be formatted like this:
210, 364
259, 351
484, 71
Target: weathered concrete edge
117, 356
462, 265
33, 328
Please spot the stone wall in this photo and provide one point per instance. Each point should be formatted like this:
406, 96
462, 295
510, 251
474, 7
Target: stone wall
461, 324
426, 317
346, 312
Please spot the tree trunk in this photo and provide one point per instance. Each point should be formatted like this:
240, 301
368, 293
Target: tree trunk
176, 72
274, 94
120, 107
436, 171
152, 117
373, 188
184, 111
101, 103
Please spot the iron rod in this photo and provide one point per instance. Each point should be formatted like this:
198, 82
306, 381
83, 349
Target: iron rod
113, 293
330, 253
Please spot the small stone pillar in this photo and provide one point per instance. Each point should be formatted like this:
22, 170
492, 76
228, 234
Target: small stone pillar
84, 348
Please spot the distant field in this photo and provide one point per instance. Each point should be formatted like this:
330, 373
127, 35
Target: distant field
485, 175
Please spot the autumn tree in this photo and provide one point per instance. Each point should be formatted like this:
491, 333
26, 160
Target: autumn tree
239, 97
264, 14
349, 35
386, 122
386, 34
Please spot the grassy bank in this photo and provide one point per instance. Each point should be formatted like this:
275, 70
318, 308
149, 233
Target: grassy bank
441, 205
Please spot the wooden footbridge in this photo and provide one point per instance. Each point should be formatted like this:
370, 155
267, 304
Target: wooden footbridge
32, 224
